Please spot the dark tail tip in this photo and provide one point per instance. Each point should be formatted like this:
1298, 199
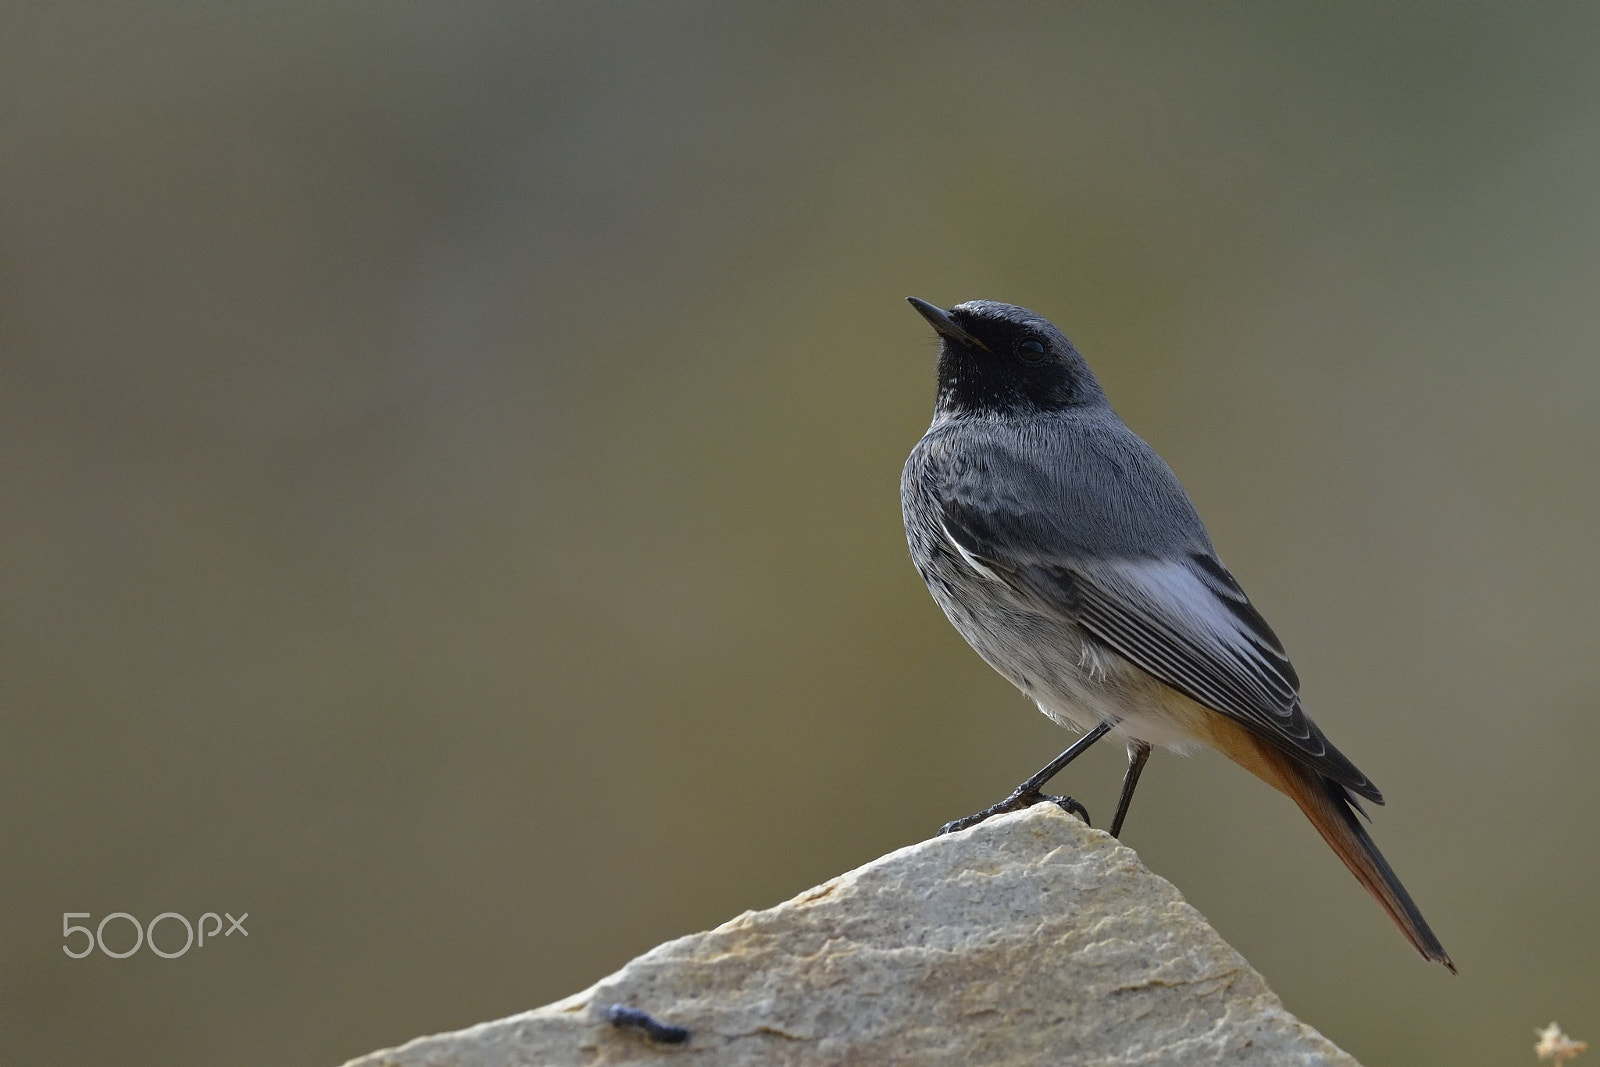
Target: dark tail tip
1385, 884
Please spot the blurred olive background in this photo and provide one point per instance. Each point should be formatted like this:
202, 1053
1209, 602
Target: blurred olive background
451, 462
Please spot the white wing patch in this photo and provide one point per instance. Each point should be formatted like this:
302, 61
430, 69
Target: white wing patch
1175, 624
972, 561
1173, 588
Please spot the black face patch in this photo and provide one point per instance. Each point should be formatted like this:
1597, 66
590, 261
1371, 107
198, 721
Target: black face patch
1015, 362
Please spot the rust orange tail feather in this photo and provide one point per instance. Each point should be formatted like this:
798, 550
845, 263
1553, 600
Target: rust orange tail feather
1325, 803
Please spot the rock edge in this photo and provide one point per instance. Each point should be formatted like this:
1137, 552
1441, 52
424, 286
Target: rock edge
1028, 939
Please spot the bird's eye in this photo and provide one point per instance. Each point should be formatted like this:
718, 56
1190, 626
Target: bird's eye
1030, 350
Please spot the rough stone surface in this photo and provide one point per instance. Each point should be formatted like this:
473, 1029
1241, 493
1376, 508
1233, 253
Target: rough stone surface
1030, 939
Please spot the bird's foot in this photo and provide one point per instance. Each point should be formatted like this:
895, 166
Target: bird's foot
1022, 798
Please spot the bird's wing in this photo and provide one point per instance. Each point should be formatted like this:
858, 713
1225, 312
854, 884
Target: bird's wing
1181, 617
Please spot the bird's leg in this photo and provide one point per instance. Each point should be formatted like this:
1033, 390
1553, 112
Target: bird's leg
1138, 752
1028, 793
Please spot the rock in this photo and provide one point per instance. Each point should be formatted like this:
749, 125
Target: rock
1028, 939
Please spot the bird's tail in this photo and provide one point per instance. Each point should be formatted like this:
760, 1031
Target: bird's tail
1326, 804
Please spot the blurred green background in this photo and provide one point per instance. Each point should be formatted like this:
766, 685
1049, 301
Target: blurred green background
450, 479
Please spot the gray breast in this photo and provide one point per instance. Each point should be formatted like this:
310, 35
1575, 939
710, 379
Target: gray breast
1043, 653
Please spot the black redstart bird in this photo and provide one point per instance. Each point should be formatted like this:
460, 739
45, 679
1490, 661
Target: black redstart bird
1068, 555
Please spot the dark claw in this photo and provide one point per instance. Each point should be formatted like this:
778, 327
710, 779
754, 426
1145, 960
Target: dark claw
625, 1018
1071, 807
955, 825
1016, 802
1028, 793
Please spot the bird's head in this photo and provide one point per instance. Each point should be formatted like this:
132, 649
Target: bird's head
1002, 359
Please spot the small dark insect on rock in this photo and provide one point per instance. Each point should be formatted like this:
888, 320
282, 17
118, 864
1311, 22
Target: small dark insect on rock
625, 1018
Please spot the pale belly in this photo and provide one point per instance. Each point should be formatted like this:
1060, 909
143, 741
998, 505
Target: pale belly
1074, 678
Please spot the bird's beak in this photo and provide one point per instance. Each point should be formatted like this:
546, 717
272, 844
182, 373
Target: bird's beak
943, 324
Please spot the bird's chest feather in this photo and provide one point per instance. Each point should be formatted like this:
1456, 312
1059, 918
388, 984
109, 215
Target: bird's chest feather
1073, 677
